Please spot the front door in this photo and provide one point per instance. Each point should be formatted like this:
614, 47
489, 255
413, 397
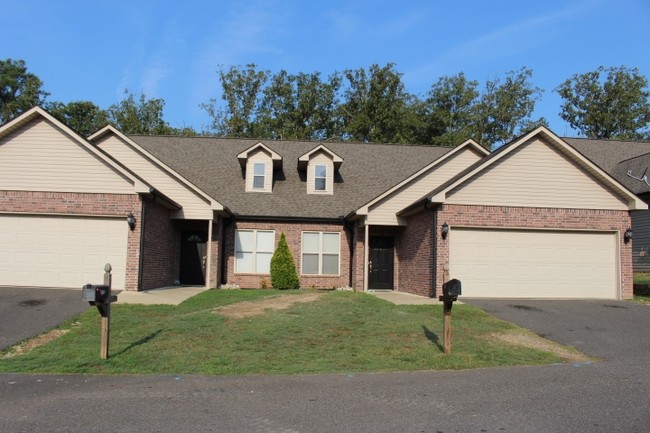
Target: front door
193, 257
380, 265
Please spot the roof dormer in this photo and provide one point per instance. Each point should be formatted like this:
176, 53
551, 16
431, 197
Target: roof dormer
259, 162
321, 165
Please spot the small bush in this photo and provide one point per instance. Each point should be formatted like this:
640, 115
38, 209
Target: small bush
283, 268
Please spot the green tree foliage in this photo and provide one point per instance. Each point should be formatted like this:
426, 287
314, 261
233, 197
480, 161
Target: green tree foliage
242, 93
144, 116
371, 105
607, 103
457, 110
19, 90
84, 117
283, 268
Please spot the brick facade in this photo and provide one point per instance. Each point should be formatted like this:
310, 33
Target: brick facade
293, 233
161, 249
80, 204
533, 218
415, 255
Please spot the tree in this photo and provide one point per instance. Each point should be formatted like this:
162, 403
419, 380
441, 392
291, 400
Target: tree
283, 268
241, 90
19, 90
377, 107
505, 107
84, 117
300, 106
144, 116
451, 106
607, 103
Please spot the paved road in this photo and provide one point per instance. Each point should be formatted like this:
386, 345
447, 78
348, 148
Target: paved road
609, 396
26, 312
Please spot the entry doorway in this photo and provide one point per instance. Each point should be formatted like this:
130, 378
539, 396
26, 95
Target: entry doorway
193, 257
381, 263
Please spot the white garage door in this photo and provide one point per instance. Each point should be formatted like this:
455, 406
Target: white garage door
534, 264
57, 251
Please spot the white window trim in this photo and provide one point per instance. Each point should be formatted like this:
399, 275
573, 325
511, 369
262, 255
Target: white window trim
263, 176
253, 251
320, 254
325, 190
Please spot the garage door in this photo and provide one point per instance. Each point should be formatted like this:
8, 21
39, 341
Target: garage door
56, 251
534, 264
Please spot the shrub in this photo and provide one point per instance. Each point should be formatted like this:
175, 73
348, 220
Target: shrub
283, 268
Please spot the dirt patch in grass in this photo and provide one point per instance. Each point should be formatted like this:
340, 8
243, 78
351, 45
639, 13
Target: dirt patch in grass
255, 308
536, 342
33, 343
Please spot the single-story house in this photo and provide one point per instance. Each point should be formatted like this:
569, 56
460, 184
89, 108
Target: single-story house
534, 219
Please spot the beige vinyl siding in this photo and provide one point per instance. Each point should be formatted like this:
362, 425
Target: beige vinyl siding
641, 240
61, 251
193, 205
263, 157
383, 213
320, 158
41, 157
536, 175
534, 263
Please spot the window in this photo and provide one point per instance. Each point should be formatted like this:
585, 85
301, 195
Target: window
259, 170
320, 253
253, 251
320, 178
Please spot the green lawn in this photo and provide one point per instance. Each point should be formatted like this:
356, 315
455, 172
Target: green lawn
340, 332
642, 278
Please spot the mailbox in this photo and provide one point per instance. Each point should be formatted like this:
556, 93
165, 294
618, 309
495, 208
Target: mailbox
452, 289
96, 293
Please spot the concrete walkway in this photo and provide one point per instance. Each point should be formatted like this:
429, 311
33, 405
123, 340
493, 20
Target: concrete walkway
167, 295
175, 295
402, 298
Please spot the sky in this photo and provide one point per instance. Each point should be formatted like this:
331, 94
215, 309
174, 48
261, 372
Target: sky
94, 50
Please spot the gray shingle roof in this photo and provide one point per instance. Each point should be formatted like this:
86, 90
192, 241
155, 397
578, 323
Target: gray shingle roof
618, 157
367, 171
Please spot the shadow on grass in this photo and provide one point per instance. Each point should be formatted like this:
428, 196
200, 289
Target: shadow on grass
433, 337
140, 342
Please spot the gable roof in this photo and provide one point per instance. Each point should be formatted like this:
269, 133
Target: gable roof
110, 130
303, 160
34, 113
212, 165
243, 156
439, 195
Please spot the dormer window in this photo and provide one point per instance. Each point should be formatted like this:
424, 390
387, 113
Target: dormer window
258, 164
321, 164
320, 177
259, 173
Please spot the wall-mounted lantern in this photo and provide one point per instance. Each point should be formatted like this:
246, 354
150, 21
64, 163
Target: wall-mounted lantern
130, 220
627, 236
445, 230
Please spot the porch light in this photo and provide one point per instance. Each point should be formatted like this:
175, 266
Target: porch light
130, 220
627, 236
445, 230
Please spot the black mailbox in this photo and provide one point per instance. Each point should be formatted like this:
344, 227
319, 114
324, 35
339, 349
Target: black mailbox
452, 289
96, 293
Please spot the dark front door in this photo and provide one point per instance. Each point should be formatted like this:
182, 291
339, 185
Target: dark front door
381, 263
193, 257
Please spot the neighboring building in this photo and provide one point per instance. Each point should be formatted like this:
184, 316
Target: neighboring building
533, 219
629, 163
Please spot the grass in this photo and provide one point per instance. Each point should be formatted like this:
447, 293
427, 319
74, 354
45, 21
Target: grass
642, 278
642, 299
340, 332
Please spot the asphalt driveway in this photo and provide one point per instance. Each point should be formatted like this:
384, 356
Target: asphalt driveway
26, 312
611, 330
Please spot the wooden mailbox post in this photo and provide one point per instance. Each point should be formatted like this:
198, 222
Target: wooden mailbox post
101, 297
